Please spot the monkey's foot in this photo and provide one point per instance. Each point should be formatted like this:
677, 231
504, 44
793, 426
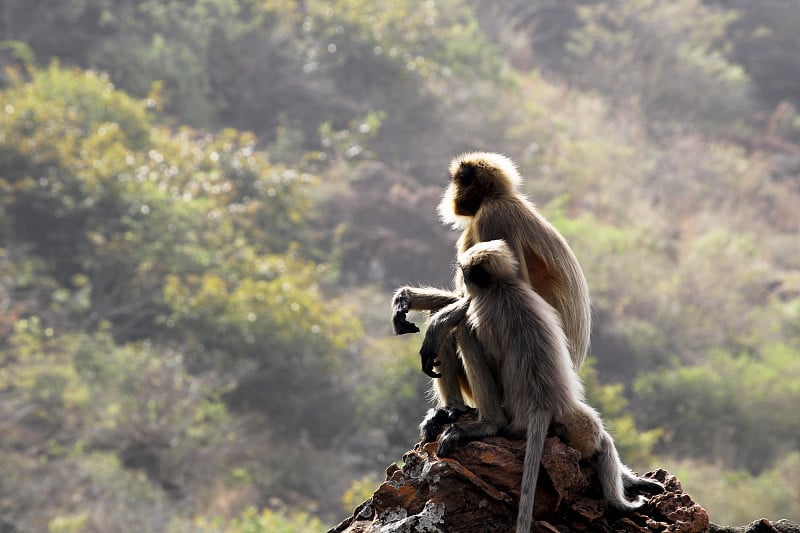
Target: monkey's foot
463, 432
448, 442
434, 422
636, 491
633, 485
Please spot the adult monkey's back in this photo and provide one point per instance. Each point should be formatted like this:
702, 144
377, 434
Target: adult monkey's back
484, 201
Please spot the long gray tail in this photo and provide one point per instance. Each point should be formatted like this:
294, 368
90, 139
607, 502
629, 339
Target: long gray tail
537, 432
615, 477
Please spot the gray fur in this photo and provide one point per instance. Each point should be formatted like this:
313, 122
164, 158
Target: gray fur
520, 372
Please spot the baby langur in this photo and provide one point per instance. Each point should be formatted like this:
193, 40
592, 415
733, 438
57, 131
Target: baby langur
484, 201
519, 370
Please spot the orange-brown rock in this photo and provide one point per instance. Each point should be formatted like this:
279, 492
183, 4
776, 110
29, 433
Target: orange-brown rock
477, 490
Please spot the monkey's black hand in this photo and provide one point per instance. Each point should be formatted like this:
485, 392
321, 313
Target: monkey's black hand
428, 356
401, 302
403, 326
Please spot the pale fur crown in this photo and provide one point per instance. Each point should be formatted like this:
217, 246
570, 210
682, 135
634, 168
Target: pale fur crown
499, 162
503, 167
495, 257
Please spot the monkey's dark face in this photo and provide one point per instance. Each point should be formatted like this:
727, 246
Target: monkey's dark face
472, 184
487, 263
476, 275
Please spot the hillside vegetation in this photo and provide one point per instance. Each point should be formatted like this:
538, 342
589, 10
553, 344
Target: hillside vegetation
205, 206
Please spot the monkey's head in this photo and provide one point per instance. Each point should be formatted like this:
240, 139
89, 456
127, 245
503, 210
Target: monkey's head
486, 263
474, 178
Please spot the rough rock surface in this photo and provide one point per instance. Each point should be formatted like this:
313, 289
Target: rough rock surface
477, 490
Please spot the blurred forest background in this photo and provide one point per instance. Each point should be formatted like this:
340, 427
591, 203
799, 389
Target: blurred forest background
205, 206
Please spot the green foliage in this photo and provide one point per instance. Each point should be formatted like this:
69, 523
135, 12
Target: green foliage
634, 446
349, 143
18, 50
626, 268
69, 524
266, 521
74, 487
360, 491
282, 325
346, 46
135, 254
232, 306
730, 496
622, 251
95, 114
764, 37
80, 406
393, 392
262, 66
671, 57
718, 410
144, 41
83, 180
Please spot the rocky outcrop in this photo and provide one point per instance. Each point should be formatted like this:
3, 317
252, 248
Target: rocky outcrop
477, 490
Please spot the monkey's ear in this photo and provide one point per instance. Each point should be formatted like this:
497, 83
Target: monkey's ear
478, 275
465, 174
